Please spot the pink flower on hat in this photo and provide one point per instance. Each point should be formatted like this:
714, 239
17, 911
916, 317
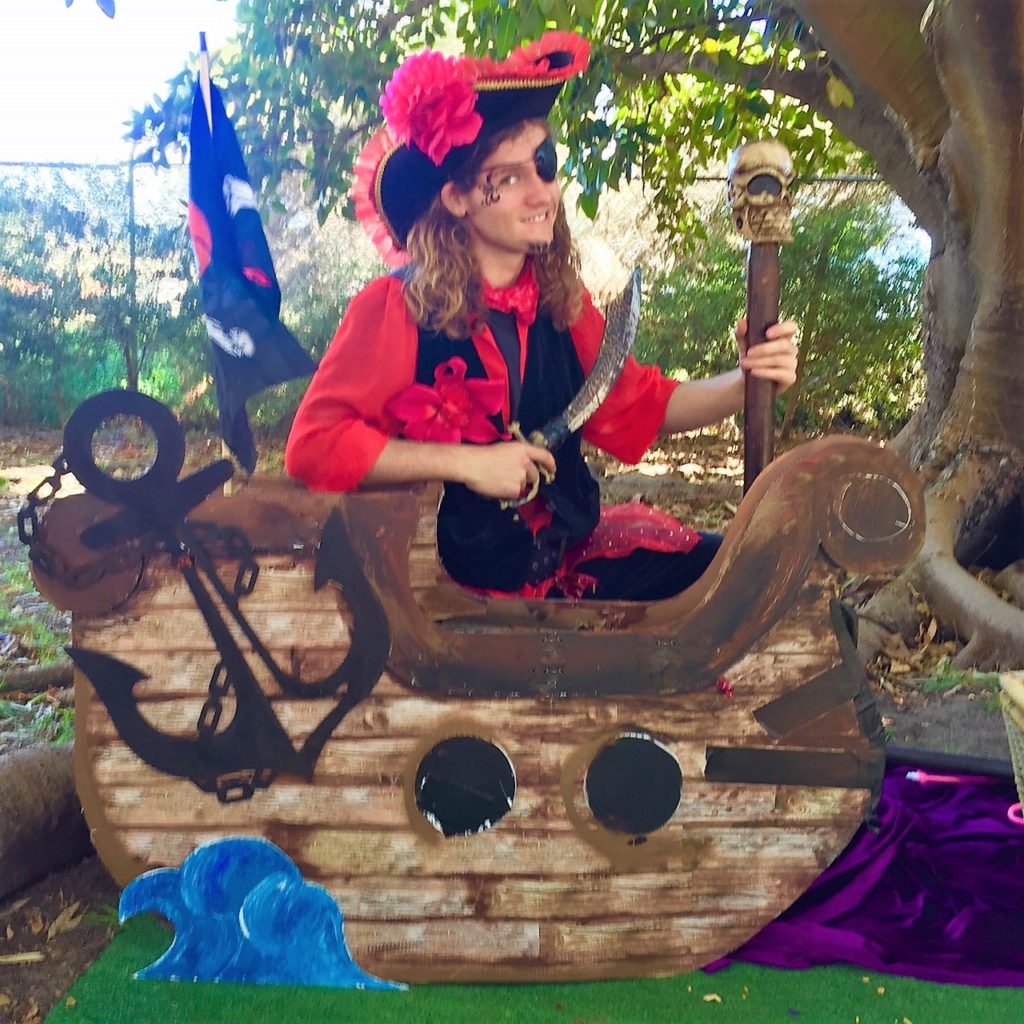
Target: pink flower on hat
453, 410
430, 101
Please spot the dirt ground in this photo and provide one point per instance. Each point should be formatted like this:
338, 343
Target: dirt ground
51, 931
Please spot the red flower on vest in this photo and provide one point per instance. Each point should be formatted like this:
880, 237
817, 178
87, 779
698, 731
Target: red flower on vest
453, 410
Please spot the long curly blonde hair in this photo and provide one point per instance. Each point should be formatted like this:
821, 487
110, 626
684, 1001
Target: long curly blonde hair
443, 288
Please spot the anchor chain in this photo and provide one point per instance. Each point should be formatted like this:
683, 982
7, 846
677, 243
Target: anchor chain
231, 543
224, 542
48, 561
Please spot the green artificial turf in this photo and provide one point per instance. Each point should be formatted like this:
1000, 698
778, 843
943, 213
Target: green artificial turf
742, 994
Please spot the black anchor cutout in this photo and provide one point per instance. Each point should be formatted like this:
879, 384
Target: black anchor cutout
249, 752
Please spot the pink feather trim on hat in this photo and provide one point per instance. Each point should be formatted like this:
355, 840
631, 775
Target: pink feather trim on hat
364, 197
533, 60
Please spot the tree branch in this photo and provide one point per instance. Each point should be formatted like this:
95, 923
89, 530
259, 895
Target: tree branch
879, 46
865, 124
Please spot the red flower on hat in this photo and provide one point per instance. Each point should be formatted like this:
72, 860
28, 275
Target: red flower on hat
430, 101
453, 410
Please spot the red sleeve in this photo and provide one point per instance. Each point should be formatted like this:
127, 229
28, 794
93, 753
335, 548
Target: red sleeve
628, 420
341, 427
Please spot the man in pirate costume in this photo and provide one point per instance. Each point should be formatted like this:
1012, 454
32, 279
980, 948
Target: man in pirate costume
487, 324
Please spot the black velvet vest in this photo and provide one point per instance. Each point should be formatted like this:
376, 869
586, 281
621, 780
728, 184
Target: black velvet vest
480, 543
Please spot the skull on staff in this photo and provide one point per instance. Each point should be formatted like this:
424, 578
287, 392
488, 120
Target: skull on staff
759, 177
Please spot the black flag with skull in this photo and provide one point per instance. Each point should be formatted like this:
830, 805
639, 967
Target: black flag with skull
252, 349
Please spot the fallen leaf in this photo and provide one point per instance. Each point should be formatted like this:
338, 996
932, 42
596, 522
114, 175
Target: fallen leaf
67, 920
17, 905
899, 668
880, 990
712, 997
4, 1000
933, 628
70, 1001
10, 932
35, 921
895, 646
32, 957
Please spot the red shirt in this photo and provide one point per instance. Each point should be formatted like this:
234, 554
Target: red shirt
341, 425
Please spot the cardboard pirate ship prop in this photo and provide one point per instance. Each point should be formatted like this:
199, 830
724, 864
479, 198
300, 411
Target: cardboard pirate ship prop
501, 790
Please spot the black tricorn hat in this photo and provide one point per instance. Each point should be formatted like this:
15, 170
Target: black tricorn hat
437, 109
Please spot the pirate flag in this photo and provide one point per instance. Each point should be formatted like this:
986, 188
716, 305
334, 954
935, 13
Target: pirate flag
252, 349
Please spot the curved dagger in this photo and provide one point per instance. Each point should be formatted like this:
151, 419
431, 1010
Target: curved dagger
619, 334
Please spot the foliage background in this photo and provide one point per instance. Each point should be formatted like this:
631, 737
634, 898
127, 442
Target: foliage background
75, 320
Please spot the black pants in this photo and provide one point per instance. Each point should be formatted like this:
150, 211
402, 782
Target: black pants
649, 575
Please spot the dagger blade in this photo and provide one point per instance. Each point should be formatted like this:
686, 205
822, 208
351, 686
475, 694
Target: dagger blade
619, 334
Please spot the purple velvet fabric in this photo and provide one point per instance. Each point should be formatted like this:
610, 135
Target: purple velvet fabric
936, 893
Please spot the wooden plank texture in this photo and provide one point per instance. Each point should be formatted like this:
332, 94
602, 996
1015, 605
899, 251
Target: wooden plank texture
547, 892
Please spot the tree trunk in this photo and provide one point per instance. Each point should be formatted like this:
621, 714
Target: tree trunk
967, 436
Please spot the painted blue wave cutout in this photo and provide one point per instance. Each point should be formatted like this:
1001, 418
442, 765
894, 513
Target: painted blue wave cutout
242, 912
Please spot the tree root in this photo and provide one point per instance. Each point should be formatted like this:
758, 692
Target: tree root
891, 610
37, 678
1011, 579
991, 628
41, 823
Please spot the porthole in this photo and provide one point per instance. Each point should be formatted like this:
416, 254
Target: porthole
634, 784
464, 785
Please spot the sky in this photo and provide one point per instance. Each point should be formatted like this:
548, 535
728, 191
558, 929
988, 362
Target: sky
69, 77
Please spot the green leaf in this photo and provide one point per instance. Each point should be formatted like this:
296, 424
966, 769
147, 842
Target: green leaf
838, 92
758, 106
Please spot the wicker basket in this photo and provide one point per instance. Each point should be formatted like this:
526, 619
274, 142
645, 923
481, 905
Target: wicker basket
1013, 712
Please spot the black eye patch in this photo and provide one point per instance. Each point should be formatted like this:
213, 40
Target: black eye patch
545, 159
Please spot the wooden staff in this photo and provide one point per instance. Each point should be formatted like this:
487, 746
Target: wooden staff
759, 177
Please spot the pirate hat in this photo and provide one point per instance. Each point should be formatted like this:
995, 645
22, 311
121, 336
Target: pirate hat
436, 108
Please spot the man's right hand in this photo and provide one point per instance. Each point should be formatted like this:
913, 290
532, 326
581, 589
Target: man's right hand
507, 469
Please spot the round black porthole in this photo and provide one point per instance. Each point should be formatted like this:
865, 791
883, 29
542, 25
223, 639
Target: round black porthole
464, 785
634, 784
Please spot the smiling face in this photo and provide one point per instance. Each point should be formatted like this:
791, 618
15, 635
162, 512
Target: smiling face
510, 208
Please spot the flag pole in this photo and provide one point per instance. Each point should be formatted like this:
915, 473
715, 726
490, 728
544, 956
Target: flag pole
204, 78
204, 88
